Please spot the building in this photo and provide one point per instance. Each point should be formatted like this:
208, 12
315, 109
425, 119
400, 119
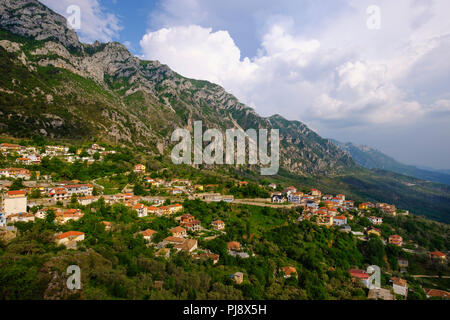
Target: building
85, 201
59, 194
14, 202
289, 190
339, 220
438, 256
189, 245
435, 293
107, 225
316, 193
178, 232
375, 220
295, 197
400, 286
396, 240
373, 230
218, 225
148, 234
278, 198
289, 272
79, 189
69, 237
21, 217
139, 168
234, 246
68, 215
193, 226
360, 275
173, 240
273, 186
186, 218
141, 210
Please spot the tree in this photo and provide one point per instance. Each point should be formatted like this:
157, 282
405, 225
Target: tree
96, 156
17, 185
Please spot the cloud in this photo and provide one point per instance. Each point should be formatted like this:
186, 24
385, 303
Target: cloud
96, 22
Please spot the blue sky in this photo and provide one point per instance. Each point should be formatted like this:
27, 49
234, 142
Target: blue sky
371, 75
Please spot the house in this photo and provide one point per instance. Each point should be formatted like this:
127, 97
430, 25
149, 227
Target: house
375, 220
69, 237
234, 246
212, 256
107, 225
68, 215
59, 194
152, 210
14, 202
325, 220
273, 186
79, 189
349, 203
139, 168
289, 190
339, 220
238, 277
243, 183
218, 225
295, 197
316, 193
360, 275
340, 197
85, 201
175, 191
141, 210
396, 240
173, 240
435, 293
375, 231
364, 206
188, 246
16, 173
186, 218
178, 232
148, 234
438, 256
193, 226
278, 197
174, 208
289, 272
400, 286
21, 217
312, 204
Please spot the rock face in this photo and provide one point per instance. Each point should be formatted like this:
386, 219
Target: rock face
103, 90
30, 18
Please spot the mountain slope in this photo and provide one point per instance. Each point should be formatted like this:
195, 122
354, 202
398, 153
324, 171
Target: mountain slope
55, 86
374, 159
60, 87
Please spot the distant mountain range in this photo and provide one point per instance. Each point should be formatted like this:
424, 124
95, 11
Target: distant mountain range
373, 159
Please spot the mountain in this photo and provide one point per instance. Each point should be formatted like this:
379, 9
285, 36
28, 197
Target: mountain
53, 85
374, 159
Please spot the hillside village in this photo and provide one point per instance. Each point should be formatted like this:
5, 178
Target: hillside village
40, 197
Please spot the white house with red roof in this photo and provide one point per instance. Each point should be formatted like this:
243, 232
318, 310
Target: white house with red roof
14, 202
